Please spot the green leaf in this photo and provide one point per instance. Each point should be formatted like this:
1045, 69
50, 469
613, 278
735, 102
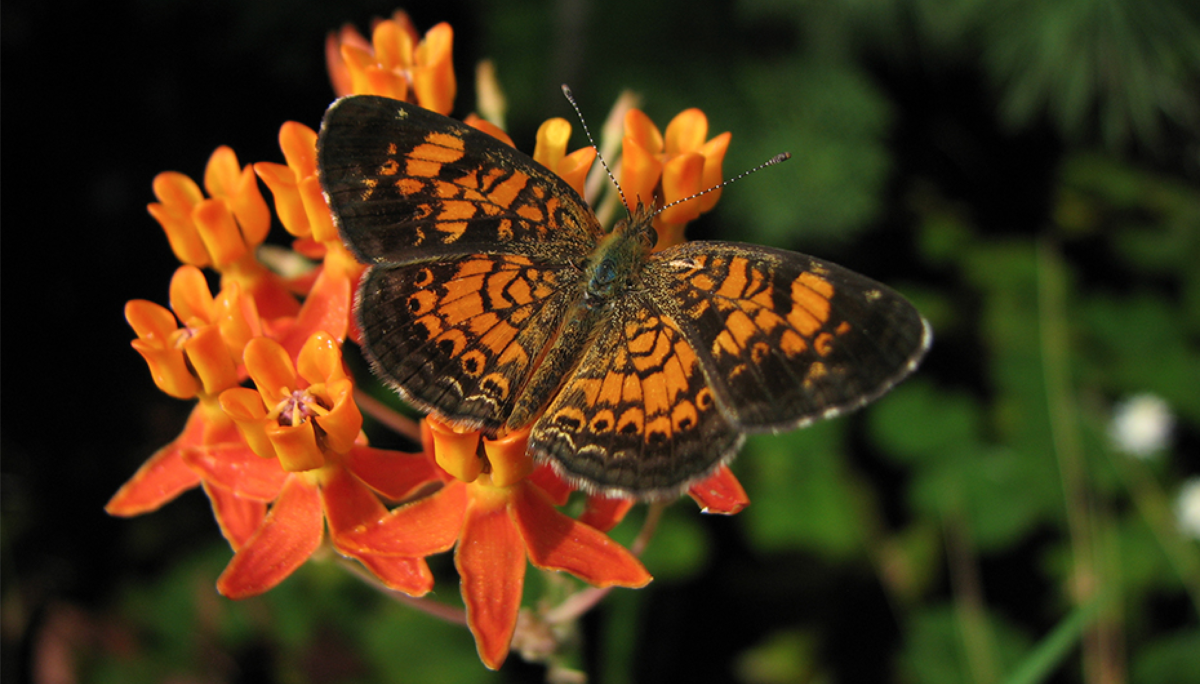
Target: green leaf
1169, 660
801, 494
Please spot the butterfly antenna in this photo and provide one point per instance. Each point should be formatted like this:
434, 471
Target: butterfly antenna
779, 158
571, 98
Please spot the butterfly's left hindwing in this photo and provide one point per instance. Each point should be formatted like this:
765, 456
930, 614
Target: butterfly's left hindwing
406, 184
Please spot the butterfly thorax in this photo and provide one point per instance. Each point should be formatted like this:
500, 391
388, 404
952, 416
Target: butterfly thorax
613, 268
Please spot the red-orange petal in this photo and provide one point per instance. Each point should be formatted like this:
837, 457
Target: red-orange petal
604, 513
162, 477
348, 502
169, 369
640, 171
720, 493
681, 178
250, 209
244, 407
554, 486
491, 562
299, 145
287, 537
424, 527
317, 209
406, 575
237, 517
221, 173
686, 132
394, 474
232, 466
714, 159
220, 233
488, 127
557, 542
433, 75
327, 309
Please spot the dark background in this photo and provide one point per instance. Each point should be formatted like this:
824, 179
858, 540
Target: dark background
913, 162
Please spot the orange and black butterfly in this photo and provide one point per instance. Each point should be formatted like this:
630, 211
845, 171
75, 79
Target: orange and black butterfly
495, 300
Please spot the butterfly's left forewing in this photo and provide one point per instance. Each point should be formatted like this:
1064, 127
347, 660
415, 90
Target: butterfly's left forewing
784, 338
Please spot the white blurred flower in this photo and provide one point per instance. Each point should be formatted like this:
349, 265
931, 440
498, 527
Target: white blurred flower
1187, 508
1141, 425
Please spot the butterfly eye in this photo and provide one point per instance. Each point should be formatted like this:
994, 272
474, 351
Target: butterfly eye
605, 272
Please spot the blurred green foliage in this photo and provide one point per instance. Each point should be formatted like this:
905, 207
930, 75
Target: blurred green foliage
1046, 220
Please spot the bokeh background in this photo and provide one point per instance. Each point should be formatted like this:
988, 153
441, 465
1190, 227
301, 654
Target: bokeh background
1027, 172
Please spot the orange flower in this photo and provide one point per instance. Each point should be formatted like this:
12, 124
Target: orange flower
506, 517
397, 63
223, 230
660, 170
201, 357
295, 417
305, 214
551, 152
215, 231
303, 421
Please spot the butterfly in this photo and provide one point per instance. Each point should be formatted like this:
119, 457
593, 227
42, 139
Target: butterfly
495, 300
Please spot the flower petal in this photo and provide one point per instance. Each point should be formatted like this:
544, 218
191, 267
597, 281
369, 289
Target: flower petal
720, 493
456, 452
686, 132
282, 183
406, 575
271, 368
558, 489
604, 513
208, 355
296, 446
509, 458
190, 299
237, 517
640, 171
421, 528
326, 309
557, 542
287, 537
394, 474
491, 562
162, 477
232, 466
220, 233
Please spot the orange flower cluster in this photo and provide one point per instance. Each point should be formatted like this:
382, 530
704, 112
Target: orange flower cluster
286, 460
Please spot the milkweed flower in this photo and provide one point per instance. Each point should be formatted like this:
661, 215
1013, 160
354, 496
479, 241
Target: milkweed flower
302, 418
222, 230
196, 357
396, 63
658, 169
508, 518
